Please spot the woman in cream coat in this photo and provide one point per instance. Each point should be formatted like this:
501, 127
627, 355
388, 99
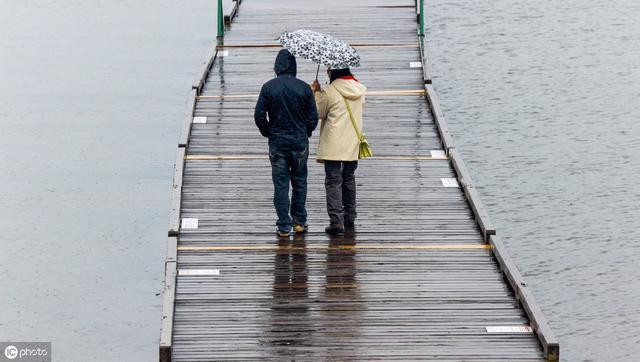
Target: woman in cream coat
339, 144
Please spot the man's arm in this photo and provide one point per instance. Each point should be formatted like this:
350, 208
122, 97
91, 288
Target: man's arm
260, 114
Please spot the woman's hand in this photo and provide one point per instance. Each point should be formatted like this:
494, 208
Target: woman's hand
315, 86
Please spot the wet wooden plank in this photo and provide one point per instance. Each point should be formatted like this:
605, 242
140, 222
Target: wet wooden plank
168, 312
438, 116
178, 168
176, 193
228, 19
188, 119
210, 60
469, 190
550, 344
426, 67
172, 248
278, 286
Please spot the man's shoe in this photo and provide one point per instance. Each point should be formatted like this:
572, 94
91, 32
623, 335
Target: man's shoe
334, 229
300, 228
283, 233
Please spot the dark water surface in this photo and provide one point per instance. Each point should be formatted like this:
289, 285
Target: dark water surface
92, 96
541, 97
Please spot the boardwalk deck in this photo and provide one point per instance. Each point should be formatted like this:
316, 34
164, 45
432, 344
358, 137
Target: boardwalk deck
421, 278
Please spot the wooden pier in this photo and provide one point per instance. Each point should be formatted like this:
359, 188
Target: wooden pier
423, 277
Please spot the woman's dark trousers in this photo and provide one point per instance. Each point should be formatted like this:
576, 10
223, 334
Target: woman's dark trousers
340, 184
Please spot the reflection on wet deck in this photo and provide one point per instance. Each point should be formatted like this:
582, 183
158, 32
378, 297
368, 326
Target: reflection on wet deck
344, 298
293, 320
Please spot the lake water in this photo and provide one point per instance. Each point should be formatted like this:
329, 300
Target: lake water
93, 94
541, 98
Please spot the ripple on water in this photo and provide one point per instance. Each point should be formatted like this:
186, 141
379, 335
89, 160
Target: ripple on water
542, 100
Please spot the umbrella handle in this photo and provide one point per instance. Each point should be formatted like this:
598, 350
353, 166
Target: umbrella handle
317, 71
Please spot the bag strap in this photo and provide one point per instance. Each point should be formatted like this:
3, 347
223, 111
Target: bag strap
353, 121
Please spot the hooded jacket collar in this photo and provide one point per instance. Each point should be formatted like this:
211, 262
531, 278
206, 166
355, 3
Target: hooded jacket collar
285, 63
349, 88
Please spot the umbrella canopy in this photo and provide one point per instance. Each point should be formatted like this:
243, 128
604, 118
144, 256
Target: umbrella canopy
320, 48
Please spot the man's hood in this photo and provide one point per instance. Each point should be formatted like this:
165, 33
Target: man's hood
349, 88
285, 63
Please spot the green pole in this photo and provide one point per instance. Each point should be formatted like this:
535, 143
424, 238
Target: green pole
220, 20
421, 17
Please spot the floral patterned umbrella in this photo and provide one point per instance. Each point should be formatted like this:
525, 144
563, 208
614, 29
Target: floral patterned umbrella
320, 48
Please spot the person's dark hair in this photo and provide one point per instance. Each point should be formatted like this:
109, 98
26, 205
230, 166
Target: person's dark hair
337, 73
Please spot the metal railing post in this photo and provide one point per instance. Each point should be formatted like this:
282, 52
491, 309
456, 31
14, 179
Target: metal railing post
421, 30
220, 21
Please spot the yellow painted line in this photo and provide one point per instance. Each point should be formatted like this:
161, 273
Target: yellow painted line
337, 247
403, 92
265, 157
343, 285
230, 96
385, 45
408, 158
396, 92
304, 285
355, 45
226, 157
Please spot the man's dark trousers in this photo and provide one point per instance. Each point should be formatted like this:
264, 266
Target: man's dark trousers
289, 163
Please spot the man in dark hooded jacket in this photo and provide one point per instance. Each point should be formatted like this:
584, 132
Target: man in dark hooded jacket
292, 117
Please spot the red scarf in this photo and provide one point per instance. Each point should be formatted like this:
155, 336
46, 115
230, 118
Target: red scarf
349, 77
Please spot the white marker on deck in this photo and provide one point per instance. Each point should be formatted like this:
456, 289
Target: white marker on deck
199, 119
449, 182
189, 223
509, 329
199, 272
438, 154
415, 64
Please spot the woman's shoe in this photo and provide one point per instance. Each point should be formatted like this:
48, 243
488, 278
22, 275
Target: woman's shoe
334, 229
